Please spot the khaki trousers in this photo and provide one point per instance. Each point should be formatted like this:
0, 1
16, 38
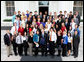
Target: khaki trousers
30, 49
8, 48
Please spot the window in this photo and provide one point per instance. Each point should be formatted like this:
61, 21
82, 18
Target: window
78, 6
43, 2
10, 8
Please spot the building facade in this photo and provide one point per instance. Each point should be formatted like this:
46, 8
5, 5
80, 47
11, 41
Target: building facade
8, 7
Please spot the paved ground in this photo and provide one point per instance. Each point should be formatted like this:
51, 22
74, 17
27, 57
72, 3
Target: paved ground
40, 58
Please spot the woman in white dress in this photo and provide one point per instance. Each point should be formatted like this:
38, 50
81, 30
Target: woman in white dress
49, 24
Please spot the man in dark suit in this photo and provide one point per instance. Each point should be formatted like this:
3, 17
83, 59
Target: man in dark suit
7, 41
19, 15
76, 41
43, 42
70, 18
35, 14
78, 16
59, 22
60, 15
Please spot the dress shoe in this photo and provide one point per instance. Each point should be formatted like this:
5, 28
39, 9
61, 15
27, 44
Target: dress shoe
8, 55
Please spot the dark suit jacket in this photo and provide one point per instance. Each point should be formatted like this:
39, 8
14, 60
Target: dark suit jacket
76, 40
6, 39
59, 24
45, 37
78, 18
19, 15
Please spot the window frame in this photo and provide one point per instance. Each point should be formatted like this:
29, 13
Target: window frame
10, 6
76, 6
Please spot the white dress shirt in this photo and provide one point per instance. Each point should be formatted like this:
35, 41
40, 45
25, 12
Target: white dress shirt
73, 25
34, 30
49, 25
53, 37
69, 39
18, 39
13, 30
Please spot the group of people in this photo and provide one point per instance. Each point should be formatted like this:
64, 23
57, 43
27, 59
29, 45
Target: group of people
47, 32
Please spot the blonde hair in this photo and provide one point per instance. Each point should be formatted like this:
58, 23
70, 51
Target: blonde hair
31, 33
41, 26
46, 26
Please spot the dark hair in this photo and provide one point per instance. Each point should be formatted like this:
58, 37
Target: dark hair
69, 33
52, 28
35, 11
75, 30
37, 31
65, 11
30, 12
70, 11
60, 11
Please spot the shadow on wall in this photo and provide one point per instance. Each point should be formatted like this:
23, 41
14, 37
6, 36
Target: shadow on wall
41, 58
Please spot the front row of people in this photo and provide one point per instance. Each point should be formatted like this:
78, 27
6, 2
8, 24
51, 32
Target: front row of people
47, 43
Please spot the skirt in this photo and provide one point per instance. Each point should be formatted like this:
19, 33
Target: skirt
69, 46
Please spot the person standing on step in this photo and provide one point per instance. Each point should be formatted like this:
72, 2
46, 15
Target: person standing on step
7, 41
19, 41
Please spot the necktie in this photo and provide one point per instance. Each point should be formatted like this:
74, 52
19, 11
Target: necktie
9, 36
19, 23
20, 39
50, 36
15, 28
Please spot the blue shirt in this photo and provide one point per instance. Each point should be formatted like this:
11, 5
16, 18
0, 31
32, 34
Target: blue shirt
17, 22
43, 24
35, 38
77, 31
27, 15
65, 39
13, 18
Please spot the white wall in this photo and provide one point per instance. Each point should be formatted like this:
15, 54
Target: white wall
54, 6
60, 6
33, 6
22, 6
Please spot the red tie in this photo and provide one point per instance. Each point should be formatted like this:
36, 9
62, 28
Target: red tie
15, 28
50, 36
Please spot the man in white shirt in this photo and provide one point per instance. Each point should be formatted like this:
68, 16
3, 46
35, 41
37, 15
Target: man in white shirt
52, 40
19, 41
73, 26
65, 13
14, 28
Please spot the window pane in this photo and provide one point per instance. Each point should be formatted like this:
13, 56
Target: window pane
78, 3
79, 9
9, 3
12, 13
12, 3
12, 8
43, 2
8, 8
8, 13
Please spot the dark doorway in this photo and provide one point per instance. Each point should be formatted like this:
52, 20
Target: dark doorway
43, 9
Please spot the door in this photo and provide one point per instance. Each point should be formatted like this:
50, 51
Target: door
43, 9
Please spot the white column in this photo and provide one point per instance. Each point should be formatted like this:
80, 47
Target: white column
3, 11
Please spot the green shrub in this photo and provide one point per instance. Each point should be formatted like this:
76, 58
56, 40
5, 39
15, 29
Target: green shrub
81, 20
7, 20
